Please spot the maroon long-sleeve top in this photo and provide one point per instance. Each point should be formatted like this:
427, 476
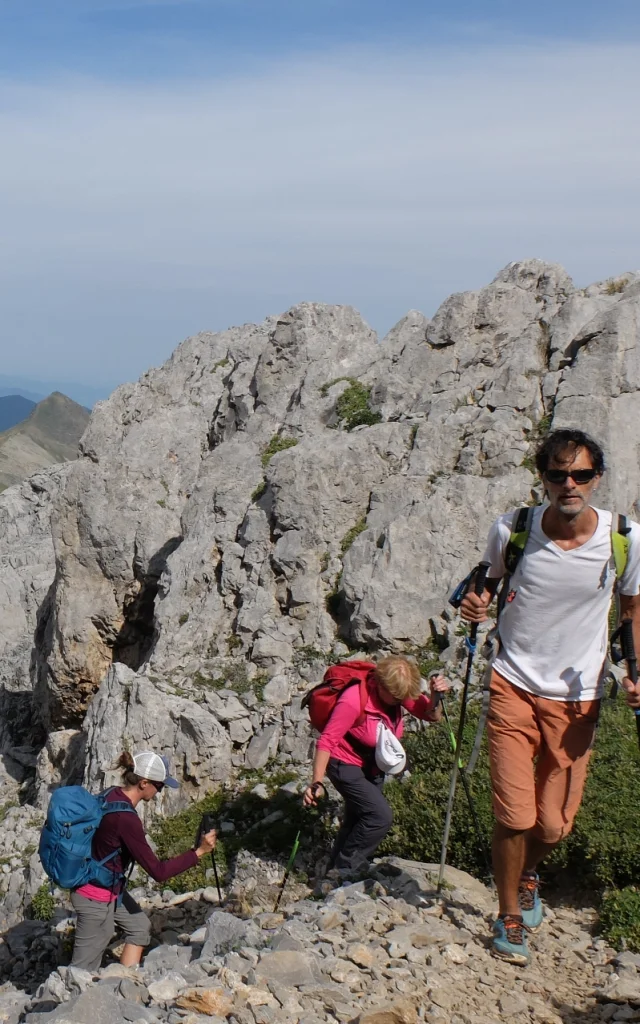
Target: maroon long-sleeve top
123, 830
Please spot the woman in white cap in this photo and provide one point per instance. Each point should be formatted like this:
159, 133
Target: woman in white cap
120, 840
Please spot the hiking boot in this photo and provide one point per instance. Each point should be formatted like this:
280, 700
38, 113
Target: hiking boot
530, 903
509, 940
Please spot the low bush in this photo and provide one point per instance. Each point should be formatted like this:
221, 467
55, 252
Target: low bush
353, 408
43, 904
351, 534
247, 811
603, 849
620, 918
276, 444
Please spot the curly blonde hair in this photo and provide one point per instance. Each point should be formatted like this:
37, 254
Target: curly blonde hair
399, 676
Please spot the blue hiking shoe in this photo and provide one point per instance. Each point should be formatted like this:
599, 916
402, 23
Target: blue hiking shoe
509, 940
530, 903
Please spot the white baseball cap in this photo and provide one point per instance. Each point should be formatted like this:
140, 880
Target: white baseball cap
154, 767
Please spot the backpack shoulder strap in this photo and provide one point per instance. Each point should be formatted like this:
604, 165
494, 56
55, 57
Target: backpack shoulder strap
115, 806
520, 530
364, 695
620, 542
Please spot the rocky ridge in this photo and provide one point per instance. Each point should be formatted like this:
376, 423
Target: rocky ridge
383, 950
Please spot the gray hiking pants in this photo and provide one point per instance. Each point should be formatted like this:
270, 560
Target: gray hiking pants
96, 924
367, 815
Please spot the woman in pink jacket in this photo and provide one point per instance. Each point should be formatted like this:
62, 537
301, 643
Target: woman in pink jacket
346, 753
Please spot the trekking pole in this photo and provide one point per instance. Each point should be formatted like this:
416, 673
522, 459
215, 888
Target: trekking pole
206, 825
627, 652
472, 807
479, 584
292, 857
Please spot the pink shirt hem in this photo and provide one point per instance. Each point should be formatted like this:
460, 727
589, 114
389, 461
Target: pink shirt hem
96, 892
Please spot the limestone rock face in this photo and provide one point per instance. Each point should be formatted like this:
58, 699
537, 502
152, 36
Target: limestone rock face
130, 712
276, 490
27, 570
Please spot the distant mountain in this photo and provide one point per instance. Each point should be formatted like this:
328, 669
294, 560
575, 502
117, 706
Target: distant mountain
49, 434
33, 396
36, 389
14, 409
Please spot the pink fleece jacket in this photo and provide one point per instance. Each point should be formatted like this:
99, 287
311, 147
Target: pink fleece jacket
334, 737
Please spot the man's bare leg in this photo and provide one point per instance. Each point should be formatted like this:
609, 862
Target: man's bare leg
509, 852
535, 851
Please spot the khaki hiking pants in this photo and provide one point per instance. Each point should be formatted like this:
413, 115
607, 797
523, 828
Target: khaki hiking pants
96, 925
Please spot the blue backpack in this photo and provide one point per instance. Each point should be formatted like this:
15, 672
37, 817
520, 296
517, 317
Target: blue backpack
67, 836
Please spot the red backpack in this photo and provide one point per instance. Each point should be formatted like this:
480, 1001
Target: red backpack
322, 699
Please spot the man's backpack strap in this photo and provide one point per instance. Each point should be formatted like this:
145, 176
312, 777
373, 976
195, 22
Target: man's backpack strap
520, 530
620, 542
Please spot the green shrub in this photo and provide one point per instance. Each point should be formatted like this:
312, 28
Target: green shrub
277, 444
351, 534
353, 408
419, 802
246, 811
183, 618
603, 849
43, 903
259, 491
620, 918
177, 834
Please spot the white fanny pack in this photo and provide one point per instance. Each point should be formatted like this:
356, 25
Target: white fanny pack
390, 755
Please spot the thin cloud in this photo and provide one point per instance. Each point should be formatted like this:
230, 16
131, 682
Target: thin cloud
135, 214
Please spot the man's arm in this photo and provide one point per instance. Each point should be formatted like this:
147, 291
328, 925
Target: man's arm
630, 609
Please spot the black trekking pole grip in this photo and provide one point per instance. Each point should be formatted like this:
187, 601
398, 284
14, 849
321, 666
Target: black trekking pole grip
480, 580
479, 583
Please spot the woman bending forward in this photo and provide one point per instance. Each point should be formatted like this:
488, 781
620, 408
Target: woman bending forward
346, 753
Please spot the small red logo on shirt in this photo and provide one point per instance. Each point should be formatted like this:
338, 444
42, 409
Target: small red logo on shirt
511, 596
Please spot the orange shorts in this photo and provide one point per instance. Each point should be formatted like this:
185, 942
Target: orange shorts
539, 751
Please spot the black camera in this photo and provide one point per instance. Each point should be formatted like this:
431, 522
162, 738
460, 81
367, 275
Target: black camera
206, 824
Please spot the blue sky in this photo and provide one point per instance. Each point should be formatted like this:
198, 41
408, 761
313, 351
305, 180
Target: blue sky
178, 166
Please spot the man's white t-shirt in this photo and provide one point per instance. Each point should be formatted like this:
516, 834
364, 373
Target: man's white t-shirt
554, 624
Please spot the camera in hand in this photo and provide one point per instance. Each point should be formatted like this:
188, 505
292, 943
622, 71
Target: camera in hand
207, 823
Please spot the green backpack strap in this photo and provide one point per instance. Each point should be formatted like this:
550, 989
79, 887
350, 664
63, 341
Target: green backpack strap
520, 530
620, 543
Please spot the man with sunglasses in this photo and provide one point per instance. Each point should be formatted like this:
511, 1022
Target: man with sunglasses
547, 676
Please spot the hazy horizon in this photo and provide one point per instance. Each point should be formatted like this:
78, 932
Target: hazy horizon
173, 166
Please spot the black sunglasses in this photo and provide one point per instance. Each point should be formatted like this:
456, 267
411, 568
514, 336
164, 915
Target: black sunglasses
159, 786
579, 476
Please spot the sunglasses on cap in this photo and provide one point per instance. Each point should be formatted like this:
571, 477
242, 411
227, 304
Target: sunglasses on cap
579, 476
